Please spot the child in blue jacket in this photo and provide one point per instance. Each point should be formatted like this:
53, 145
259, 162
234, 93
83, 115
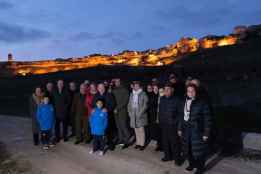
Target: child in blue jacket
45, 117
98, 124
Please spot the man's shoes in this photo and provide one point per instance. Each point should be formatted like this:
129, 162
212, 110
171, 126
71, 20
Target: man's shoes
77, 142
72, 135
57, 140
142, 148
158, 149
164, 159
87, 141
137, 146
111, 147
189, 168
119, 143
199, 171
178, 163
125, 146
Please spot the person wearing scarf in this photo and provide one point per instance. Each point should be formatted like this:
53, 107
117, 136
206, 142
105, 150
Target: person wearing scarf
34, 101
137, 109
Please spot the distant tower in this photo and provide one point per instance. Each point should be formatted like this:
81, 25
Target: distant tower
10, 57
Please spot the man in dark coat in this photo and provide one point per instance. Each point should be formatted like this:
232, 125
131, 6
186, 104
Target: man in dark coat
71, 117
194, 127
121, 113
49, 92
61, 104
79, 111
177, 85
168, 120
110, 106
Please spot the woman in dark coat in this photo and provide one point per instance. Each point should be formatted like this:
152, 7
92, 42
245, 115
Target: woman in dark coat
194, 127
154, 129
35, 100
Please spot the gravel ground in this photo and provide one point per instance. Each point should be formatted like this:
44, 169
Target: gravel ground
67, 158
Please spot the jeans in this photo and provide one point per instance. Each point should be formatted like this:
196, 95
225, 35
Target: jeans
98, 142
45, 137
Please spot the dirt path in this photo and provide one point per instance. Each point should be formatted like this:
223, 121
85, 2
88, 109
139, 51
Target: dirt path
67, 158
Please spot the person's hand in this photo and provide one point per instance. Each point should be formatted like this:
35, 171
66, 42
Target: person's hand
205, 138
179, 133
104, 110
115, 111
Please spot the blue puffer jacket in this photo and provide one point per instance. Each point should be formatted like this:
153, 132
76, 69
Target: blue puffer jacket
45, 116
98, 122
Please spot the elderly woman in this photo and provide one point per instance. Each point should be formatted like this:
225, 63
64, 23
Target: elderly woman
194, 128
137, 109
34, 101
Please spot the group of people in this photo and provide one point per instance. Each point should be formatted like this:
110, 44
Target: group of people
176, 115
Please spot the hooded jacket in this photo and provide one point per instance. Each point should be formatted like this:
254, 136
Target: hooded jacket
98, 122
45, 116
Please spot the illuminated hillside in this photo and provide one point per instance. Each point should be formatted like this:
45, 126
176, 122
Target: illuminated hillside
163, 56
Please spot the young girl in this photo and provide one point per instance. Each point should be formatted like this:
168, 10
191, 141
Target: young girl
98, 124
45, 117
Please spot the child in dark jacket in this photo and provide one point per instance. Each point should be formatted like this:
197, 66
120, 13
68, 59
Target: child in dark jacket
45, 117
98, 124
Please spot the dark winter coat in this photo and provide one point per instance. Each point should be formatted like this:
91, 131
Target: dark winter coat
61, 104
50, 96
168, 110
179, 89
153, 107
109, 100
197, 126
79, 108
121, 95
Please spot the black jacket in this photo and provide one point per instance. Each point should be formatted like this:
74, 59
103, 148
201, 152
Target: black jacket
196, 127
153, 107
168, 110
108, 98
61, 103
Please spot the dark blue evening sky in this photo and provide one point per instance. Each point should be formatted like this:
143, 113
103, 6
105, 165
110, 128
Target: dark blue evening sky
40, 29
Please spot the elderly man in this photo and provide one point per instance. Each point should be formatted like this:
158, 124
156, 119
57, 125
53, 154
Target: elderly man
79, 111
61, 104
72, 91
168, 120
49, 90
121, 113
177, 85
